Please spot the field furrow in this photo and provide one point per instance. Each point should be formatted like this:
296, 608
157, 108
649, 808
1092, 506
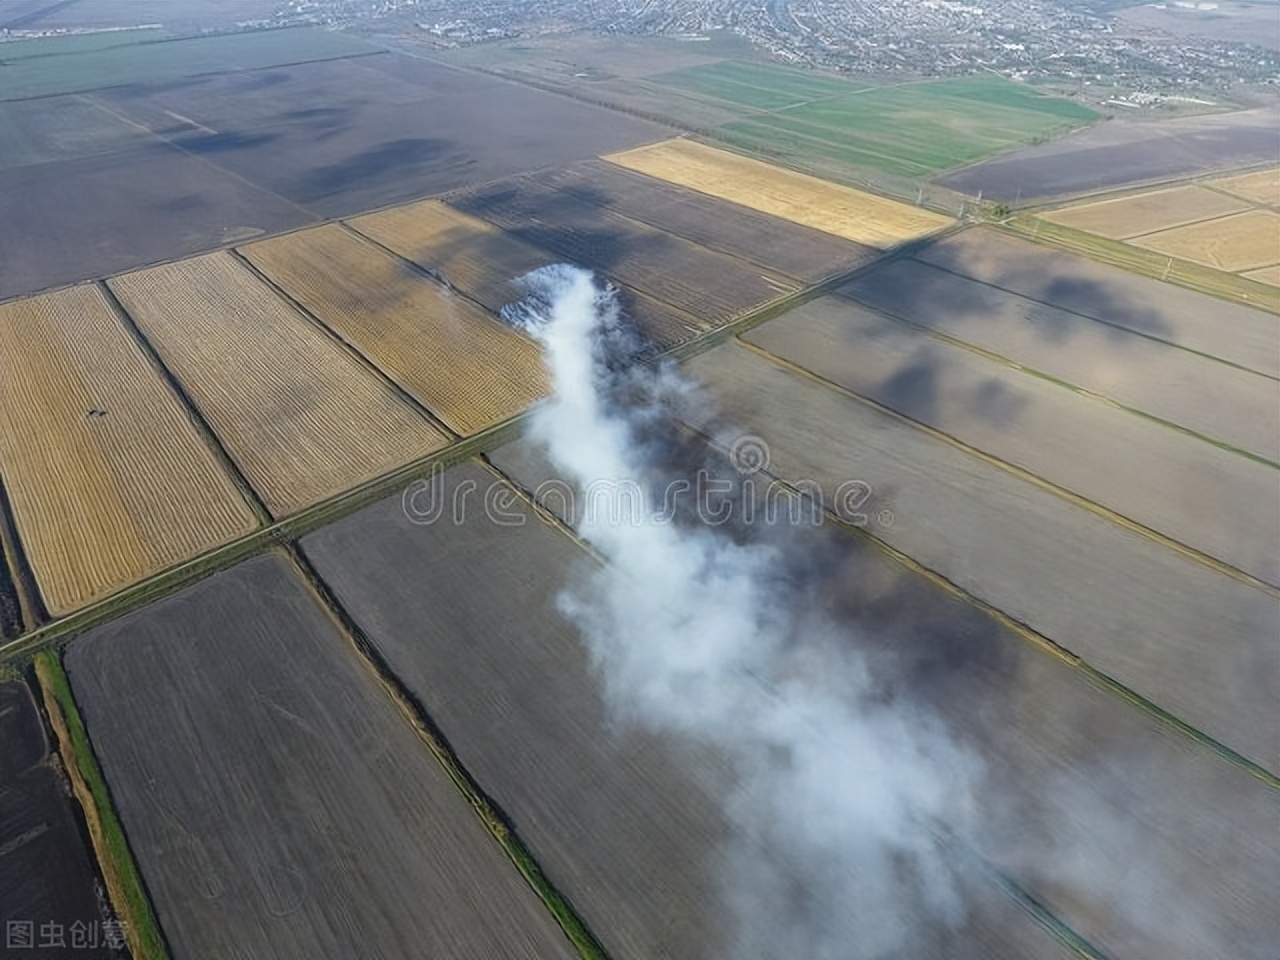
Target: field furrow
109, 478
302, 417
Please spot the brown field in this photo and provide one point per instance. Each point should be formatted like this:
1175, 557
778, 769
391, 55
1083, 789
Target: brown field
1146, 212
711, 286
468, 368
109, 478
302, 417
466, 252
1269, 275
1262, 186
852, 214
1243, 241
277, 801
627, 823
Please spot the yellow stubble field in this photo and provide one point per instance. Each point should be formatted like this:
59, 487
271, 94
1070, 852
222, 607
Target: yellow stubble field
861, 217
109, 478
464, 251
1262, 186
300, 416
1242, 241
469, 369
1131, 216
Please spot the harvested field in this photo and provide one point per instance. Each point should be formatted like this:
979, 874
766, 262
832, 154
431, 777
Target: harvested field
626, 823
278, 803
861, 217
94, 216
1146, 212
1108, 456
608, 809
302, 417
1269, 275
156, 59
1260, 187
776, 244
60, 128
465, 252
1215, 400
469, 369
47, 873
376, 143
1134, 609
710, 286
108, 478
1231, 332
1243, 241
482, 262
1123, 152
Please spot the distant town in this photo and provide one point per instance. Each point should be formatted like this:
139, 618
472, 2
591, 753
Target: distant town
1036, 40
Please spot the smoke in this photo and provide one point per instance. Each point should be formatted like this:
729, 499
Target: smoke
845, 794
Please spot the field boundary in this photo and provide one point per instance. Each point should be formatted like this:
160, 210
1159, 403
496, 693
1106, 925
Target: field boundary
498, 824
125, 885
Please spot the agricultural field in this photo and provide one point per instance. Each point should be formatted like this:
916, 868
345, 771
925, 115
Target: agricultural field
1108, 456
626, 823
608, 809
1136, 214
464, 252
1240, 242
481, 261
1122, 153
470, 370
1212, 224
912, 130
707, 285
774, 243
1261, 187
47, 873
94, 216
860, 217
302, 418
758, 85
1178, 386
122, 177
108, 478
1237, 334
1131, 607
60, 128
148, 58
276, 800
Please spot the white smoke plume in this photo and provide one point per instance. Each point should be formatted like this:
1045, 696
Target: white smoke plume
844, 795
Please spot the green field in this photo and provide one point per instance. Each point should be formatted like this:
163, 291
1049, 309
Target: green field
90, 66
13, 50
910, 130
754, 85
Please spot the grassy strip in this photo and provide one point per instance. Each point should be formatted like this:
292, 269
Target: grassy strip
502, 830
1215, 283
124, 884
